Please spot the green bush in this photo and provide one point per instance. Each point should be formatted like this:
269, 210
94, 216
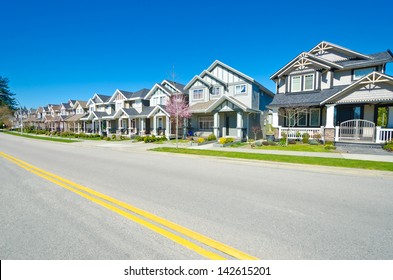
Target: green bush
107, 138
284, 135
211, 137
388, 146
306, 137
329, 147
298, 134
113, 136
283, 142
163, 138
313, 142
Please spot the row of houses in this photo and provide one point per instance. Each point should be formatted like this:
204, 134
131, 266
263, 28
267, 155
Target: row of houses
331, 91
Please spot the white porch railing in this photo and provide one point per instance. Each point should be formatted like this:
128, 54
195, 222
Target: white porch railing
383, 135
297, 132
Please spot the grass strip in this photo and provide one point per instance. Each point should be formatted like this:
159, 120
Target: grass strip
41, 137
336, 162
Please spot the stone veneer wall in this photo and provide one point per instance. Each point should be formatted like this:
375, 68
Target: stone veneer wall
329, 134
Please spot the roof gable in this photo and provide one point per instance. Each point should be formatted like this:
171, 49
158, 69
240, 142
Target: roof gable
370, 83
325, 48
194, 80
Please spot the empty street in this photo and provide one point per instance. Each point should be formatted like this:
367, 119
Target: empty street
78, 201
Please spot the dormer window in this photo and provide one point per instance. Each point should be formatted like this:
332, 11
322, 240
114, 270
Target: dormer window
296, 83
216, 91
197, 94
302, 82
360, 73
308, 82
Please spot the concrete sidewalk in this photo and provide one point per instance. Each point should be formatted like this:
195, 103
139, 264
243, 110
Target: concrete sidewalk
140, 146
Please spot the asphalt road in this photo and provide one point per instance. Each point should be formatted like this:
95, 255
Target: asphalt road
269, 210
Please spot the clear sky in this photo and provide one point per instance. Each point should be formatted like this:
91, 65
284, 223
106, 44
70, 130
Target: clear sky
52, 51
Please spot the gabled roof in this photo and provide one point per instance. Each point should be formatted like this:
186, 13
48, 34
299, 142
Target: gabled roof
206, 73
197, 78
125, 94
158, 108
232, 100
375, 59
66, 105
304, 58
322, 46
83, 104
75, 118
129, 112
372, 78
154, 88
177, 86
140, 94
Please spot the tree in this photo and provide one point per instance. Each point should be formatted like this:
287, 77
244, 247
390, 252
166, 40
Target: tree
5, 116
178, 108
293, 115
256, 129
6, 98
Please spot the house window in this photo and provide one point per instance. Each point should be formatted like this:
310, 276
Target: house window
308, 82
197, 94
314, 117
162, 100
216, 91
302, 119
360, 73
296, 83
241, 89
206, 122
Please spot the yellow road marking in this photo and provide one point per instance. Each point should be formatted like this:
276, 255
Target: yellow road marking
76, 188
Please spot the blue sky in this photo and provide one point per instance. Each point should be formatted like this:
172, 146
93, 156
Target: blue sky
53, 51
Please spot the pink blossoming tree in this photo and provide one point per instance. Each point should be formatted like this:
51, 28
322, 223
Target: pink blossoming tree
178, 109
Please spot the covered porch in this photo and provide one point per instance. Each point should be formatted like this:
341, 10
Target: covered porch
361, 112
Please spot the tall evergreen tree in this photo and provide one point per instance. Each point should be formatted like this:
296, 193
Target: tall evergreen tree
6, 96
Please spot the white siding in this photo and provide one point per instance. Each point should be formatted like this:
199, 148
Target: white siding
380, 92
342, 78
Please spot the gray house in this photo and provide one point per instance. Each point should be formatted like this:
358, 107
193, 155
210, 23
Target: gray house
226, 102
340, 94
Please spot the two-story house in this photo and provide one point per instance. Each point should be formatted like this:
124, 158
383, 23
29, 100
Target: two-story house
338, 93
79, 110
226, 102
98, 107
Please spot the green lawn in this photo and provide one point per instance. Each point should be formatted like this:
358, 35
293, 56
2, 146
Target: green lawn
54, 139
336, 162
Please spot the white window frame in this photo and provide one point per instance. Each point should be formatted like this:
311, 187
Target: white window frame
304, 82
237, 92
318, 110
362, 69
300, 83
200, 91
209, 120
214, 91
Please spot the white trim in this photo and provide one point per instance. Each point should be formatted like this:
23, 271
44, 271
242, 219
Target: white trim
241, 93
360, 69
340, 48
298, 119
300, 83
313, 81
202, 95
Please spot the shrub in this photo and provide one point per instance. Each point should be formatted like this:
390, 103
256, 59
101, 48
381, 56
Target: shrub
329, 147
211, 137
291, 141
306, 137
201, 140
224, 140
107, 138
113, 136
138, 138
283, 142
298, 134
313, 142
163, 138
272, 143
317, 136
388, 146
258, 143
284, 135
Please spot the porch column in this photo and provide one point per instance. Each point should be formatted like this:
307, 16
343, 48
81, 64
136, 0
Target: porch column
330, 115
168, 126
108, 122
239, 124
129, 126
142, 126
155, 125
84, 126
99, 127
119, 125
216, 125
275, 117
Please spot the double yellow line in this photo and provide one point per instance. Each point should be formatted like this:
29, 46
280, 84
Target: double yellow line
170, 230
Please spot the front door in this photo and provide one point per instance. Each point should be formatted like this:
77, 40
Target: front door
390, 117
